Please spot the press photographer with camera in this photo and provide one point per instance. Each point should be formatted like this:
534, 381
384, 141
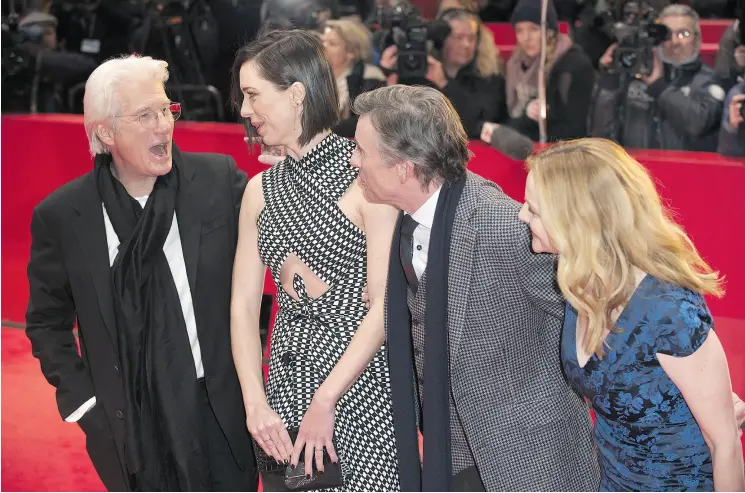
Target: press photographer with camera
732, 133
36, 70
657, 97
456, 67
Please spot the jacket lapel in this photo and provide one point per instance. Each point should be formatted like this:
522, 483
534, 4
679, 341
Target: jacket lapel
189, 219
460, 270
91, 234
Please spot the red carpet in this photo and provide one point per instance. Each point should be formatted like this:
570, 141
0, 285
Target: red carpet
40, 452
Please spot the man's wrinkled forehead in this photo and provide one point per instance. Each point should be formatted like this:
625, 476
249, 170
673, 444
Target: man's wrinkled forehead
678, 22
137, 96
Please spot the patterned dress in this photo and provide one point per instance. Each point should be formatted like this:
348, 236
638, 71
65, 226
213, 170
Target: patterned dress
302, 216
647, 437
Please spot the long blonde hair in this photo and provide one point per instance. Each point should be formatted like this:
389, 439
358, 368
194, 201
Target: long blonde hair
602, 212
488, 61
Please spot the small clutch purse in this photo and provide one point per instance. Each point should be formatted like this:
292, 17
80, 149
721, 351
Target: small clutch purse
296, 480
294, 477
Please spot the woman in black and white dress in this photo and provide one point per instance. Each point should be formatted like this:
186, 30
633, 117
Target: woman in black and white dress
307, 219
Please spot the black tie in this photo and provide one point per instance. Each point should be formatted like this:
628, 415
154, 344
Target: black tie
407, 250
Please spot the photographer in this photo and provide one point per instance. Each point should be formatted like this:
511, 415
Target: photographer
36, 72
677, 106
460, 72
732, 133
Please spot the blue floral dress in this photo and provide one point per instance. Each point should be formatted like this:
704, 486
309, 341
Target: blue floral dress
645, 433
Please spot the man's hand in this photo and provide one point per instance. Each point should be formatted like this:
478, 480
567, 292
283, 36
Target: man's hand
435, 72
735, 118
740, 54
607, 59
487, 130
366, 297
658, 70
270, 155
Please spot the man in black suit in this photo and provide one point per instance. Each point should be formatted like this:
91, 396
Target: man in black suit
139, 252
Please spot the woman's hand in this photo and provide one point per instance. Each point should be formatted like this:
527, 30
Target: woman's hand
534, 110
739, 413
269, 431
316, 433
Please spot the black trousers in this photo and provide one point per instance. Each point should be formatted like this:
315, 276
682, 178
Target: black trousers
225, 475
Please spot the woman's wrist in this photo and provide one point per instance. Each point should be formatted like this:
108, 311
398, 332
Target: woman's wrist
325, 396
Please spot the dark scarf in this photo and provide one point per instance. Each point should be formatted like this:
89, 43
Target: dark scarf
435, 402
162, 442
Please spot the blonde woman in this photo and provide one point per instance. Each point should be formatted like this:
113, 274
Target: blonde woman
349, 47
637, 339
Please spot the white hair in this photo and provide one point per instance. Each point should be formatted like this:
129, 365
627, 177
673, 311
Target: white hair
102, 101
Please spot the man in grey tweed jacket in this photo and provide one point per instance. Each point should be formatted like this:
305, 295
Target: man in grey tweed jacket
515, 424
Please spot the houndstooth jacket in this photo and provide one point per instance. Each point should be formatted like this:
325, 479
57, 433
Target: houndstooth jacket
527, 429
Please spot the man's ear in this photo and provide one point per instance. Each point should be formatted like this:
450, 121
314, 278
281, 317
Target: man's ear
106, 134
405, 170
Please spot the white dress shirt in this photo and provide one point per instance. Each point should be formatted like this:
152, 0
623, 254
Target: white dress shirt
175, 257
425, 216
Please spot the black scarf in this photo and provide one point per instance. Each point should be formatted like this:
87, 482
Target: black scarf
163, 441
436, 405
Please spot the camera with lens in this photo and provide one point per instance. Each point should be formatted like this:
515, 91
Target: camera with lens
403, 26
637, 32
17, 57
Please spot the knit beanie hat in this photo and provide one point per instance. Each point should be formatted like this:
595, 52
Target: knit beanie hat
530, 10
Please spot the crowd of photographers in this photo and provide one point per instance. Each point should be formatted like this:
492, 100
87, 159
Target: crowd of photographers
619, 74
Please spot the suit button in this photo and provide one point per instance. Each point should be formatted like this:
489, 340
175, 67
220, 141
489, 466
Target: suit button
421, 380
288, 358
119, 414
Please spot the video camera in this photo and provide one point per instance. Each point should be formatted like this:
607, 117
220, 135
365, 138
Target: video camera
403, 26
637, 31
16, 58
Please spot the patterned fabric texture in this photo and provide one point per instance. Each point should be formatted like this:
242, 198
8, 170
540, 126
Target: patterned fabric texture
527, 429
647, 438
462, 458
302, 216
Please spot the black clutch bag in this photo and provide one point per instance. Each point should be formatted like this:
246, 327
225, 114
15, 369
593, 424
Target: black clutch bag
294, 478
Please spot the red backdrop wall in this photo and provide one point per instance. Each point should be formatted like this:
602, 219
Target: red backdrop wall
707, 191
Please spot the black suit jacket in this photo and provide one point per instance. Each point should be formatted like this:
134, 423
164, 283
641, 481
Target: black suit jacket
69, 280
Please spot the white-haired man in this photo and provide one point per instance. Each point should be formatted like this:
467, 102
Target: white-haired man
139, 252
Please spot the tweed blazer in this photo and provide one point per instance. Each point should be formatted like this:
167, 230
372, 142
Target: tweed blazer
527, 429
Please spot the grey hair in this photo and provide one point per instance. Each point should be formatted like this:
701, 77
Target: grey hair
682, 10
102, 101
420, 125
